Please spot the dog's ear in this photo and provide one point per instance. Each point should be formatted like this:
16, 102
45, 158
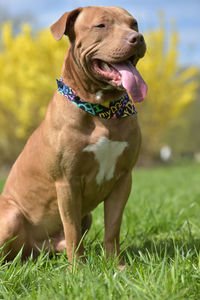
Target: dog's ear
65, 25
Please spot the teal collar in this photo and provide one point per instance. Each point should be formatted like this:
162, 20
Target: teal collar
121, 108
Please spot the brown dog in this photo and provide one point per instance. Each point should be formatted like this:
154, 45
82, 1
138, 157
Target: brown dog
77, 159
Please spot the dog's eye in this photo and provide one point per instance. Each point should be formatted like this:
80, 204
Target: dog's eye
134, 25
100, 26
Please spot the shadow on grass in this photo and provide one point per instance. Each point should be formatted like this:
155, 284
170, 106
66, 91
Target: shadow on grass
168, 247
165, 248
183, 243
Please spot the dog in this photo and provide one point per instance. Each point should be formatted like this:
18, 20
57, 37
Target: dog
84, 150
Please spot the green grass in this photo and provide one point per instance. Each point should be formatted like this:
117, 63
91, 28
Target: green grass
160, 236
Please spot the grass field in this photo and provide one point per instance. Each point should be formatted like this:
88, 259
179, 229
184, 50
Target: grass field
160, 236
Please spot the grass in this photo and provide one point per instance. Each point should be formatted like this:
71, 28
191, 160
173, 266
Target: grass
160, 236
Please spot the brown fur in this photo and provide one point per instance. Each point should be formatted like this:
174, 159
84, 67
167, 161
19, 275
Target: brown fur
51, 188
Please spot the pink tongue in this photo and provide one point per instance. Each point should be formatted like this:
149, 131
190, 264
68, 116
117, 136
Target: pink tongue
132, 81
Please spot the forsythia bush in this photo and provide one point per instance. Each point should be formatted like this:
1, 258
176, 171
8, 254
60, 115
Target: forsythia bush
170, 89
30, 63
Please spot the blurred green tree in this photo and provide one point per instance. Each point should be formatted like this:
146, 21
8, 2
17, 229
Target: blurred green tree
185, 138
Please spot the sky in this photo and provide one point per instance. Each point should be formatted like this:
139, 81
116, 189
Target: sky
185, 13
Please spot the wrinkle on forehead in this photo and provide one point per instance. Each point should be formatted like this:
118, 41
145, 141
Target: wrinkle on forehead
91, 13
118, 10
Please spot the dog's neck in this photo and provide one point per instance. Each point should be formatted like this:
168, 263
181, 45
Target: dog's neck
87, 89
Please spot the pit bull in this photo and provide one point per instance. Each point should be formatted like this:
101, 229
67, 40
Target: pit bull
84, 151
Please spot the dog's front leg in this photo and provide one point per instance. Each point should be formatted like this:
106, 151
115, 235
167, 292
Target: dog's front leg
113, 211
69, 202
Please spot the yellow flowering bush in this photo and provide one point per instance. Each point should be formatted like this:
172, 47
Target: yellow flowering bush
170, 88
30, 63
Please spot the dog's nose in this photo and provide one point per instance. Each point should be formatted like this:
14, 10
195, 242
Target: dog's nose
135, 38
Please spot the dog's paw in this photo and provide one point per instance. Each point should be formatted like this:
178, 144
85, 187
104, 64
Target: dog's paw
121, 266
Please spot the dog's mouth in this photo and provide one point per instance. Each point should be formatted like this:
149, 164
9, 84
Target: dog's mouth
108, 72
123, 75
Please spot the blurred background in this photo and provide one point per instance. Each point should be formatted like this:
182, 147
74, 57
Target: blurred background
31, 60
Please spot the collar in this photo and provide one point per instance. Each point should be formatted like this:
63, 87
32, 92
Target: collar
121, 108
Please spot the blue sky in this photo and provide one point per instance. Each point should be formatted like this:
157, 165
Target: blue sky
186, 13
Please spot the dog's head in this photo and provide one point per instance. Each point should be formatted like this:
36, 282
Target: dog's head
106, 46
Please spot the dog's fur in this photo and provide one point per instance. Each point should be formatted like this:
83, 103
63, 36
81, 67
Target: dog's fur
74, 161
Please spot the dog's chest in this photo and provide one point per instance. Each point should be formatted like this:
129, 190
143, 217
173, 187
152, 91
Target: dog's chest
106, 154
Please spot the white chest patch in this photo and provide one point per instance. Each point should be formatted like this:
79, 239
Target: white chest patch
106, 153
